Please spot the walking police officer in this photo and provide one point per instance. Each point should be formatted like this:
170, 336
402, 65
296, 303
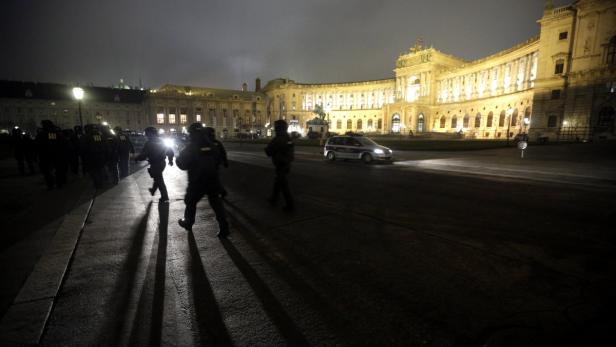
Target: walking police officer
53, 154
222, 155
201, 157
125, 147
281, 149
94, 154
155, 152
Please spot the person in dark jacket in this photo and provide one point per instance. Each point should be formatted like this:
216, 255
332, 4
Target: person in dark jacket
201, 158
155, 152
93, 154
52, 152
281, 149
112, 159
72, 150
29, 146
222, 157
19, 149
125, 147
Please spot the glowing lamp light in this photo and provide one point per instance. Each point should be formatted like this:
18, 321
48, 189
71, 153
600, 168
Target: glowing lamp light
105, 123
169, 142
78, 93
565, 123
161, 131
378, 151
527, 121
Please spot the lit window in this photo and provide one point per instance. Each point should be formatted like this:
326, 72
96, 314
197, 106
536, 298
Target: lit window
160, 118
171, 118
339, 124
559, 67
349, 124
359, 124
183, 119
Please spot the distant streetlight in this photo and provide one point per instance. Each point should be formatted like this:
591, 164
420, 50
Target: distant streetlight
78, 94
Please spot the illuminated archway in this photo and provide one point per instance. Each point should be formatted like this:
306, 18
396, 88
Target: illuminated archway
395, 123
421, 123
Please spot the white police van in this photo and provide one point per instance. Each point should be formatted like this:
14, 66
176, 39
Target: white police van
355, 147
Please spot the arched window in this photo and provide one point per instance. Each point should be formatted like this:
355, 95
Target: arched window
443, 121
349, 124
501, 119
514, 118
339, 124
527, 116
395, 123
454, 122
465, 121
379, 124
420, 123
610, 58
359, 124
369, 124
490, 120
478, 120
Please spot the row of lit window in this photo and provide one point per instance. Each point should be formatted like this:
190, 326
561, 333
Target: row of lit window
359, 124
489, 123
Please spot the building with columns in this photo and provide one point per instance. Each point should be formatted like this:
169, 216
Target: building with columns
560, 84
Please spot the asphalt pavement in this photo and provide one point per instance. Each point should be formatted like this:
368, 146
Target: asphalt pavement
439, 248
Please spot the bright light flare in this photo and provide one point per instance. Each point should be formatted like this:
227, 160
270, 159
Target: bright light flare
378, 151
169, 142
78, 93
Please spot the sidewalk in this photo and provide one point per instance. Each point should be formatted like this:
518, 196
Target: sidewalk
136, 277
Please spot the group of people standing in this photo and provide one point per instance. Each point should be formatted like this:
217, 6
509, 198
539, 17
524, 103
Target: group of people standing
104, 155
100, 152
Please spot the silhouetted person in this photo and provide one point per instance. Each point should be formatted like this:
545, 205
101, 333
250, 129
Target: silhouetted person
29, 146
53, 154
72, 150
112, 158
281, 149
19, 150
201, 158
222, 155
94, 154
155, 152
125, 147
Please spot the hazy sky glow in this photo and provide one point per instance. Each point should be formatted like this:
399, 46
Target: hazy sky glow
221, 43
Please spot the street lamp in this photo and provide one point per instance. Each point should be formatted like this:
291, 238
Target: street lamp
78, 94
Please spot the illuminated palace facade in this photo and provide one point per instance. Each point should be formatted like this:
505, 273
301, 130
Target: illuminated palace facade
560, 84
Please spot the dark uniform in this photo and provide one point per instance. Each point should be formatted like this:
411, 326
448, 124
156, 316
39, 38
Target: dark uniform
222, 155
21, 143
155, 152
125, 147
53, 154
111, 161
73, 150
201, 158
93, 154
281, 149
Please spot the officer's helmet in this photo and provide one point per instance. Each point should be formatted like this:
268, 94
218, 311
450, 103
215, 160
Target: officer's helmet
280, 126
151, 132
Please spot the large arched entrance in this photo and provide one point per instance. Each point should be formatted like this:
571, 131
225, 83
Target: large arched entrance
421, 123
395, 123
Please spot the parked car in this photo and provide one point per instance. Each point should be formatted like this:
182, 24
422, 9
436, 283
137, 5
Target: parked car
355, 147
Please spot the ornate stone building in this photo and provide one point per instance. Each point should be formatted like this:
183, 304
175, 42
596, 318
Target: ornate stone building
560, 84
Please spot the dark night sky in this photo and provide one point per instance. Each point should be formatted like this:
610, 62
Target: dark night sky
221, 43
